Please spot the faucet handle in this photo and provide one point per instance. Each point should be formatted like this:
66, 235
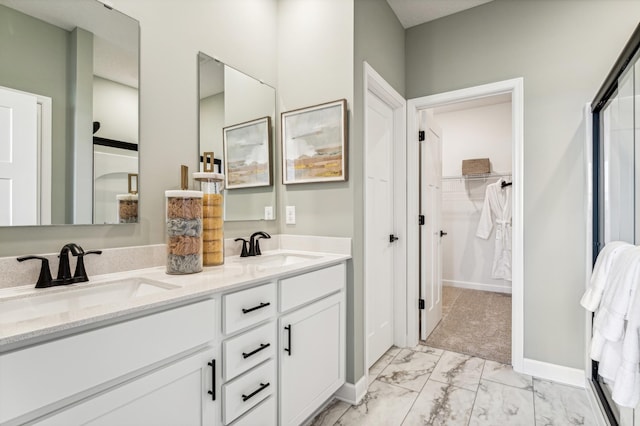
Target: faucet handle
80, 274
244, 253
44, 280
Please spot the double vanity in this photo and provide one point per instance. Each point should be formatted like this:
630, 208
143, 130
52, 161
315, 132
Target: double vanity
256, 341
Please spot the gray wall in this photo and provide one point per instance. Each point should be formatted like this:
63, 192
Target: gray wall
42, 70
168, 106
563, 49
315, 65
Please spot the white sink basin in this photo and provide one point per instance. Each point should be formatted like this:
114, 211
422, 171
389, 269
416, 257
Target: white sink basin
277, 260
59, 300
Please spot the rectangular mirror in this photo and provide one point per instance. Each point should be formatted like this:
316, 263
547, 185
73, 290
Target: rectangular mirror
234, 103
69, 92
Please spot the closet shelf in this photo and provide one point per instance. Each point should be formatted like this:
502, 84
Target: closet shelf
484, 176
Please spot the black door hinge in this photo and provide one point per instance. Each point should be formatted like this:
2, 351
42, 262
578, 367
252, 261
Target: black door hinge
421, 219
420, 303
421, 136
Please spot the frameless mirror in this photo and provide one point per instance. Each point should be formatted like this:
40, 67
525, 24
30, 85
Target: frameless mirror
237, 114
68, 113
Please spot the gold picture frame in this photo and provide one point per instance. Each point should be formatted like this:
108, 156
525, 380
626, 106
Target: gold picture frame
314, 143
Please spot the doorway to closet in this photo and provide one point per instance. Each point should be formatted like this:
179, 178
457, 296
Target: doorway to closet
415, 109
465, 242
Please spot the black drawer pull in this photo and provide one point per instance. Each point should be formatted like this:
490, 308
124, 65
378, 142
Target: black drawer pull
262, 346
212, 392
255, 308
288, 328
262, 387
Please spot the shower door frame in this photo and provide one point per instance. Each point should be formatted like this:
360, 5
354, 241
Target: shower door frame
606, 92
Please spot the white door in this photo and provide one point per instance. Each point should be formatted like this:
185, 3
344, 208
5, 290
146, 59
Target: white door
379, 256
18, 158
311, 358
430, 232
173, 395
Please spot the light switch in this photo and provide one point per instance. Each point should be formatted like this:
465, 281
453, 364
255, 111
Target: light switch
268, 212
291, 215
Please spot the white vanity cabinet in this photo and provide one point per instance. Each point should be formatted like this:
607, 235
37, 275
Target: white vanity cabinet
259, 353
140, 368
312, 341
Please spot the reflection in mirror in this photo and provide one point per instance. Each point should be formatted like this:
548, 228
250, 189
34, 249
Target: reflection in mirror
228, 98
69, 91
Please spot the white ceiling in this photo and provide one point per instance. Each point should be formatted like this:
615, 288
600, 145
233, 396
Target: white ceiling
415, 12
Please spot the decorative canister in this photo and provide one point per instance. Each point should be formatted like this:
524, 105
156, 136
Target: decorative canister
184, 231
211, 185
127, 208
128, 203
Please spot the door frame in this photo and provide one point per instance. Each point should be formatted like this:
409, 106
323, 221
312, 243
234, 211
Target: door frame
44, 148
375, 85
516, 88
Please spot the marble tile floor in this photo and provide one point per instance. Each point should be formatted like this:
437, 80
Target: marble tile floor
428, 386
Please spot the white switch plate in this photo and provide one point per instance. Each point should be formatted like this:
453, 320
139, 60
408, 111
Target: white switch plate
291, 215
268, 212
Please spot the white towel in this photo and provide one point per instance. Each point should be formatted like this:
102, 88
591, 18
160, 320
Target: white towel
618, 295
591, 298
626, 386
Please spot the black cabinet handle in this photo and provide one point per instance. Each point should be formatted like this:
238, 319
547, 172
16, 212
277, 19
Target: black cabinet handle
262, 387
288, 328
262, 346
212, 392
393, 238
255, 308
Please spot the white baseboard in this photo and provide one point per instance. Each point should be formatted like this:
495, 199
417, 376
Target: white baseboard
557, 373
479, 286
351, 393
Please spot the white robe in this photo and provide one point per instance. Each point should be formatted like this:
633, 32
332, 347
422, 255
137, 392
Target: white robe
497, 208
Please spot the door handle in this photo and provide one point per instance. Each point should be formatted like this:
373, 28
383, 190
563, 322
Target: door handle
392, 238
212, 392
288, 328
442, 233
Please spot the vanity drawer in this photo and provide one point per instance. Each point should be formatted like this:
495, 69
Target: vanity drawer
247, 350
44, 374
263, 415
245, 392
304, 288
248, 307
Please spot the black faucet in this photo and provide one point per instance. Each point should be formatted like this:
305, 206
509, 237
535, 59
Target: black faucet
64, 271
254, 246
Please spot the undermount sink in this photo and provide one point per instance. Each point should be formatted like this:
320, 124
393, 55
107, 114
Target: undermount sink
277, 260
62, 299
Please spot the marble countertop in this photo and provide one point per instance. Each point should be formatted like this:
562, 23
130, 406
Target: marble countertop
236, 273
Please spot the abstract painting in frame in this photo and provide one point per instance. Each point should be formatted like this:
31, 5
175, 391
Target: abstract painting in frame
314, 143
247, 154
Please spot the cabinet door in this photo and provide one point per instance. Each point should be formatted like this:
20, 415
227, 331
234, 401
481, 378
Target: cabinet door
173, 395
312, 353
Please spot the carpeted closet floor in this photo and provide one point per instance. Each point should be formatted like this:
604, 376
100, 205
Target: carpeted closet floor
476, 323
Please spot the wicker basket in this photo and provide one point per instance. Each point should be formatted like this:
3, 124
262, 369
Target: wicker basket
476, 166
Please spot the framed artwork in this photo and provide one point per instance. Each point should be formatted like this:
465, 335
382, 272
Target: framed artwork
314, 143
247, 154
